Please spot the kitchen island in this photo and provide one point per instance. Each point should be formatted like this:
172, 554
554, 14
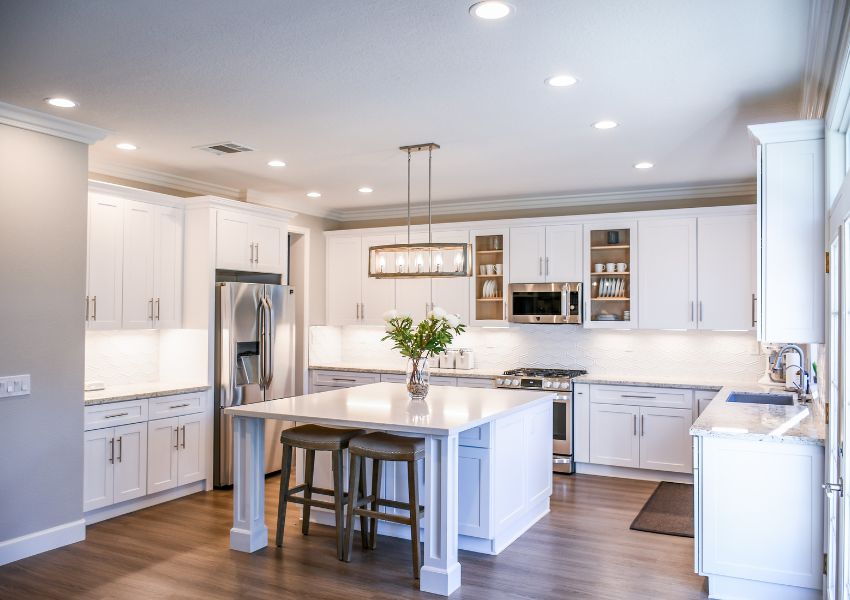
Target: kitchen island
510, 429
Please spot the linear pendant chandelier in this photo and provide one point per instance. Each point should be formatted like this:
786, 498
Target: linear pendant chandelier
409, 261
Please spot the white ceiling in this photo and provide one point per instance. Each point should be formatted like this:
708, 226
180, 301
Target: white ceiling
334, 87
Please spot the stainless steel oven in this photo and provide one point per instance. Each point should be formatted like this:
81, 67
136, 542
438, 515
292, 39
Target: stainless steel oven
562, 433
545, 303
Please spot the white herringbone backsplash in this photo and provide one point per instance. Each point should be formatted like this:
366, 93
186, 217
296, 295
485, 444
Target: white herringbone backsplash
706, 355
120, 357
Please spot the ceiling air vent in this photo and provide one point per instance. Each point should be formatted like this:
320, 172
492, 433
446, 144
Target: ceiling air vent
225, 148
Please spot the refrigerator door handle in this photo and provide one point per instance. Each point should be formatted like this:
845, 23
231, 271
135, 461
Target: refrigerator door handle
268, 365
261, 324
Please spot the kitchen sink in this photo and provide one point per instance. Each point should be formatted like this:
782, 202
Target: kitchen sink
751, 398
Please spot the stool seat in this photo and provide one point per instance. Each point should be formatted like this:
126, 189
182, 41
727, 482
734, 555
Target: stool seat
318, 437
386, 446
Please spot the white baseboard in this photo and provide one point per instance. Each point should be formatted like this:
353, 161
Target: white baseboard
42, 541
628, 473
116, 510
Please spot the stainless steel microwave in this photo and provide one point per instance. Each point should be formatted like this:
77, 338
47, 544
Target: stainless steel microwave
545, 303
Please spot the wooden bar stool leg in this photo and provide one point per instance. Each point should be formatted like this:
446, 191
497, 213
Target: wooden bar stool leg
355, 482
361, 490
339, 517
308, 489
285, 468
413, 501
377, 466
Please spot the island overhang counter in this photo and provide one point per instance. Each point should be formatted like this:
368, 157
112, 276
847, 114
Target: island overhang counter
510, 429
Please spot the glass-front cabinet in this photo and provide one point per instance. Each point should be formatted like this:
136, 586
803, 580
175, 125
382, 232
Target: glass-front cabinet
610, 282
490, 251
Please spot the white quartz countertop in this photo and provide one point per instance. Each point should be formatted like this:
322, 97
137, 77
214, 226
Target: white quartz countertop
385, 406
134, 391
797, 424
666, 382
399, 369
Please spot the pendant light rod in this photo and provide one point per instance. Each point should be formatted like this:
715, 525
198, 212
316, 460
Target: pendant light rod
429, 195
408, 196
430, 147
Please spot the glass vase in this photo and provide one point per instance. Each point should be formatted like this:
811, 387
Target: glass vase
418, 375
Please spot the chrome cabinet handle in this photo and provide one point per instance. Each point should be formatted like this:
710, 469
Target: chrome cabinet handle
183, 445
642, 397
120, 445
547, 265
504, 311
634, 424
362, 310
540, 268
692, 311
754, 310
176, 438
641, 425
257, 256
123, 414
179, 405
831, 488
343, 379
150, 309
700, 311
87, 307
112, 451
157, 309
94, 308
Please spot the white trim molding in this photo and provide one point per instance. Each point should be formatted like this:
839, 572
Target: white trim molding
513, 203
161, 179
42, 541
826, 51
33, 120
303, 207
787, 131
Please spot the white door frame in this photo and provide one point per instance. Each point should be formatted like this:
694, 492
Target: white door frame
305, 294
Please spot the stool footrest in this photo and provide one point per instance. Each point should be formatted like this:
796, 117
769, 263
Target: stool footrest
290, 497
374, 514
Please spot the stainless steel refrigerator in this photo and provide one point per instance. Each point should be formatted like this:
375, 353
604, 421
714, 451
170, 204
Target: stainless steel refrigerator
254, 362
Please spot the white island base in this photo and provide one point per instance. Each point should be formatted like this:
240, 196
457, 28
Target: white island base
487, 473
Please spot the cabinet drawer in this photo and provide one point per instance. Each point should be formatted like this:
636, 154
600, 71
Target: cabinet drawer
393, 377
174, 406
443, 380
642, 396
475, 382
342, 379
98, 416
477, 437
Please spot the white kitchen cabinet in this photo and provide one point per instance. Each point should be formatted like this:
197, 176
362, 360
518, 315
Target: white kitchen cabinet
377, 296
614, 436
702, 398
191, 463
168, 267
451, 293
345, 264
138, 268
726, 265
563, 261
667, 278
162, 454
489, 247
248, 242
665, 444
581, 422
114, 465
527, 254
790, 231
105, 261
611, 242
474, 474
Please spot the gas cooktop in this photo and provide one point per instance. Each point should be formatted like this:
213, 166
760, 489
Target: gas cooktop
536, 378
537, 372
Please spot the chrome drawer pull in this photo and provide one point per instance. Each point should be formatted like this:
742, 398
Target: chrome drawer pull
342, 379
123, 414
179, 405
642, 397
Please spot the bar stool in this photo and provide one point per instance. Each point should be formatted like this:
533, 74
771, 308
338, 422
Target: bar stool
313, 438
380, 447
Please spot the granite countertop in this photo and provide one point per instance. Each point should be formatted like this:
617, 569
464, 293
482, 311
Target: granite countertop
797, 424
364, 368
134, 391
663, 382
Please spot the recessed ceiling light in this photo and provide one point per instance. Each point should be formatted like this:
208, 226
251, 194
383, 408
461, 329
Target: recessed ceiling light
314, 195
644, 165
561, 80
605, 124
61, 102
491, 10
126, 146
276, 163
365, 190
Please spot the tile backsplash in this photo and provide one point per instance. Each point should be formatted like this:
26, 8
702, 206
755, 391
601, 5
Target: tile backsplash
711, 356
119, 357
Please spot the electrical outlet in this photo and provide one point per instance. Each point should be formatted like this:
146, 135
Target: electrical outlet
15, 385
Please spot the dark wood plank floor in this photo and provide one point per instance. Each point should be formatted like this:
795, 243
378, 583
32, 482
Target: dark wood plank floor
582, 549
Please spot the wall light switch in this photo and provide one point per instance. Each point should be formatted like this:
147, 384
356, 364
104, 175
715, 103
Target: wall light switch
15, 385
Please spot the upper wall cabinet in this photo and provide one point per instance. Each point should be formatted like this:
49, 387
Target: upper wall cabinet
610, 288
451, 293
353, 297
247, 242
546, 254
790, 240
490, 274
104, 261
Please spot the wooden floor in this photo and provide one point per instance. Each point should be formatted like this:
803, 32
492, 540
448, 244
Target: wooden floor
582, 549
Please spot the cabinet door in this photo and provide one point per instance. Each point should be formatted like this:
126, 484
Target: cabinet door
162, 454
131, 460
413, 296
527, 252
233, 242
563, 253
474, 492
168, 268
105, 257
272, 246
665, 444
191, 465
344, 273
792, 230
452, 294
97, 469
138, 294
581, 422
614, 436
702, 398
378, 295
667, 278
726, 258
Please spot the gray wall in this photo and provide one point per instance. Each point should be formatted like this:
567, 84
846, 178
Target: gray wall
42, 290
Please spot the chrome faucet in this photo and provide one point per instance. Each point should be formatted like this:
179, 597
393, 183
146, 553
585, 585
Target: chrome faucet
803, 387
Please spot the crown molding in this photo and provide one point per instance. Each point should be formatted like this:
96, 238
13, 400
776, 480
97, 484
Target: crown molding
825, 51
787, 131
33, 120
301, 207
513, 203
164, 180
